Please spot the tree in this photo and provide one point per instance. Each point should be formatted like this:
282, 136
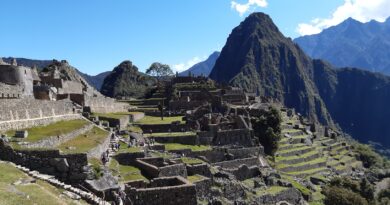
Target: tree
159, 70
267, 128
342, 196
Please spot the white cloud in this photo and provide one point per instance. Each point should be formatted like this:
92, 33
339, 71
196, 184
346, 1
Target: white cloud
251, 4
184, 66
361, 10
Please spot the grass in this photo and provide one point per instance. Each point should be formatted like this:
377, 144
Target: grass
134, 128
30, 194
300, 187
126, 173
125, 149
308, 172
315, 161
59, 128
273, 190
294, 149
165, 155
195, 178
85, 142
149, 120
171, 134
188, 160
117, 115
194, 148
280, 158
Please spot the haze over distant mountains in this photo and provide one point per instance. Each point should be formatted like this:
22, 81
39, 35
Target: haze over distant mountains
352, 44
203, 68
258, 58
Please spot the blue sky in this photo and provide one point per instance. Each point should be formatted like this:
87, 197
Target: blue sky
96, 35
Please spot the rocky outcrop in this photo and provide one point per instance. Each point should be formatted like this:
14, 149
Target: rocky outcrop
126, 81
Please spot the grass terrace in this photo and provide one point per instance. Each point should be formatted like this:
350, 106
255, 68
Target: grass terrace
36, 134
194, 148
195, 178
39, 192
85, 142
150, 120
125, 149
117, 115
171, 134
125, 173
188, 160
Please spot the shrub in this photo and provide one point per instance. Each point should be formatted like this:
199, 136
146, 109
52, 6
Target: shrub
342, 196
267, 129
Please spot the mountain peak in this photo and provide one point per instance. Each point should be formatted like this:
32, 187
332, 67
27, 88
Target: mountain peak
260, 22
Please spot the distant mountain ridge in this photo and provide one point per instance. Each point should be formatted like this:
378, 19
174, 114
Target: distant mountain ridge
258, 58
203, 68
29, 62
97, 80
352, 44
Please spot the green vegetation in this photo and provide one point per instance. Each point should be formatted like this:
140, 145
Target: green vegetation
345, 191
134, 128
117, 115
369, 157
157, 120
267, 129
194, 148
273, 190
56, 129
85, 142
125, 149
188, 160
305, 191
29, 194
125, 173
171, 134
195, 178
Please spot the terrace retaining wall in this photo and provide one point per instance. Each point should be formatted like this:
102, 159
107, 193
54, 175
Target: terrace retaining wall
70, 168
54, 141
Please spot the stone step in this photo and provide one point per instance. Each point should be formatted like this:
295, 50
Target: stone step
300, 159
304, 166
298, 151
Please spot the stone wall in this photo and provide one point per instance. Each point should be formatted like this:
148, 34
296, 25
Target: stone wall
104, 105
158, 128
136, 116
234, 137
10, 91
25, 113
19, 76
98, 150
244, 172
68, 168
200, 169
185, 139
167, 194
54, 141
156, 167
291, 196
203, 187
129, 158
232, 164
121, 123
